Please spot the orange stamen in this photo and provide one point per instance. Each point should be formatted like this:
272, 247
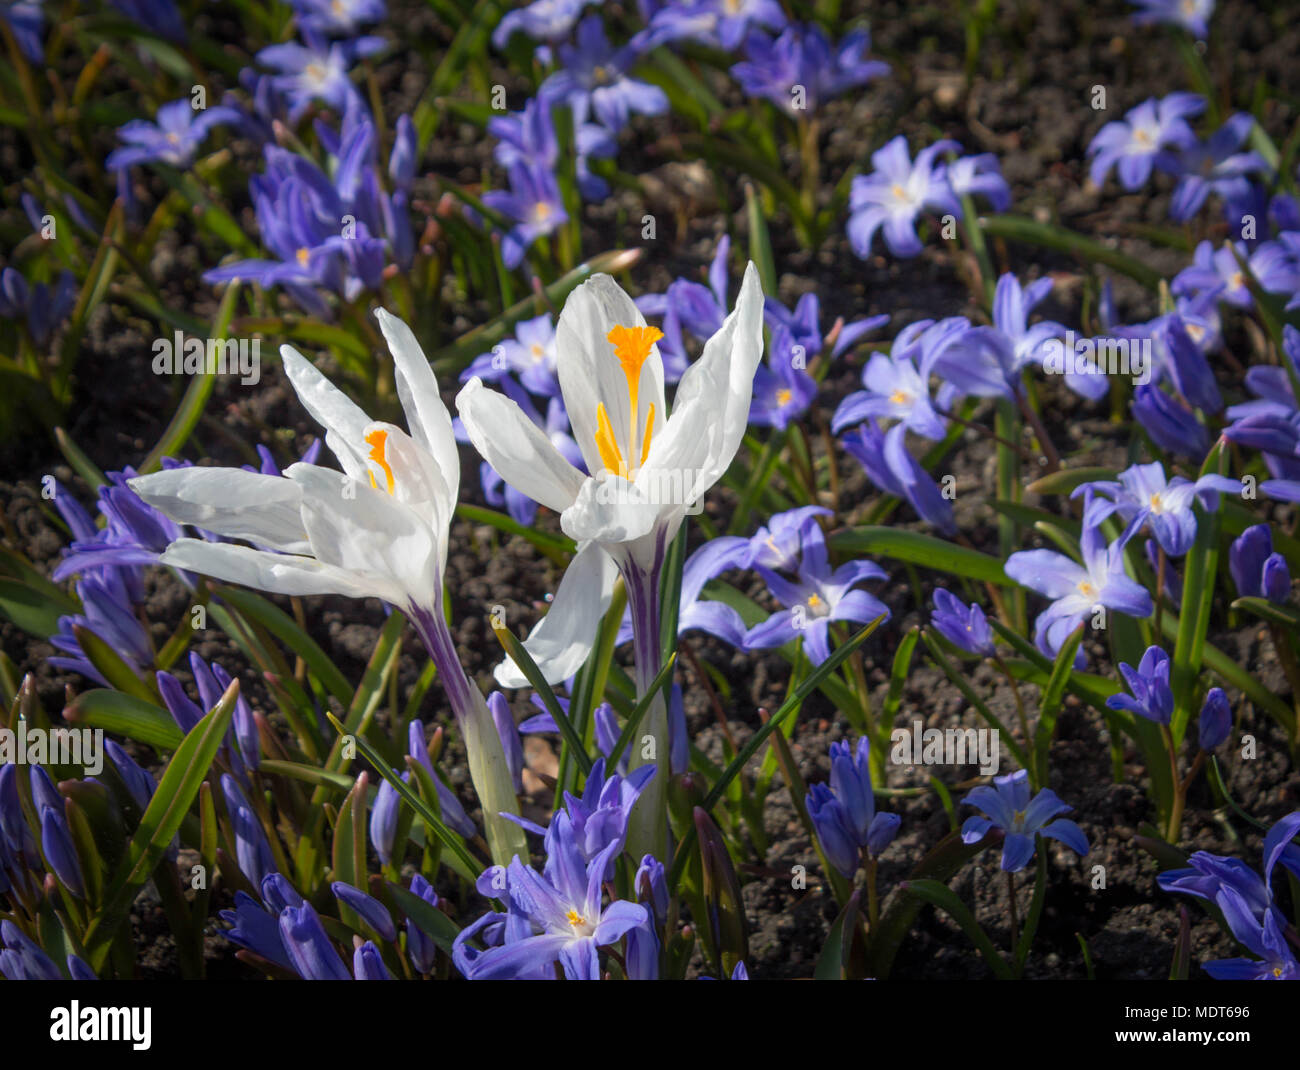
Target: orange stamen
377, 440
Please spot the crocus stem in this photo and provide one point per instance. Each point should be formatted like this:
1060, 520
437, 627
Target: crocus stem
873, 897
1160, 585
647, 824
1040, 432
1020, 702
1180, 789
1015, 920
487, 757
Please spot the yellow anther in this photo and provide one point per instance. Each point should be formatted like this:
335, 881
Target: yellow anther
1087, 590
632, 347
783, 396
377, 440
814, 600
899, 397
303, 255
649, 433
575, 919
607, 444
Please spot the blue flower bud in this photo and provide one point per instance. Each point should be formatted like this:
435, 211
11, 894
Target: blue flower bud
60, 855
368, 963
371, 910
1216, 719
313, 956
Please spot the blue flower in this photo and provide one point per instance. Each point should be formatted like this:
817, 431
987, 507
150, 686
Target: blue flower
596, 823
980, 175
1170, 423
533, 204
22, 958
43, 307
542, 20
1143, 495
60, 854
1218, 271
368, 963
723, 23
988, 361
1078, 590
420, 944
803, 58
895, 194
338, 17
816, 598
1150, 695
369, 909
26, 21
1216, 165
966, 627
308, 946
1247, 902
595, 73
783, 390
888, 464
1215, 721
173, 138
317, 71
553, 918
1009, 808
252, 849
1191, 15
898, 385
844, 813
1256, 569
1143, 138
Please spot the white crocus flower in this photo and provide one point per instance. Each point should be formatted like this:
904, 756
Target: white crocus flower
377, 529
647, 466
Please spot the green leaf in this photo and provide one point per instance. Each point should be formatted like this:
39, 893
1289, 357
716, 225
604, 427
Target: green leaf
111, 665
517, 653
833, 961
286, 629
161, 821
1285, 615
440, 928
1051, 236
921, 549
126, 715
939, 895
32, 610
469, 866
1050, 706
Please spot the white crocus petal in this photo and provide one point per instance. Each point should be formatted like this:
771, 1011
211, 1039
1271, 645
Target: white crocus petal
343, 419
230, 502
590, 375
610, 510
262, 569
711, 407
368, 532
416, 479
517, 448
429, 420
561, 642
